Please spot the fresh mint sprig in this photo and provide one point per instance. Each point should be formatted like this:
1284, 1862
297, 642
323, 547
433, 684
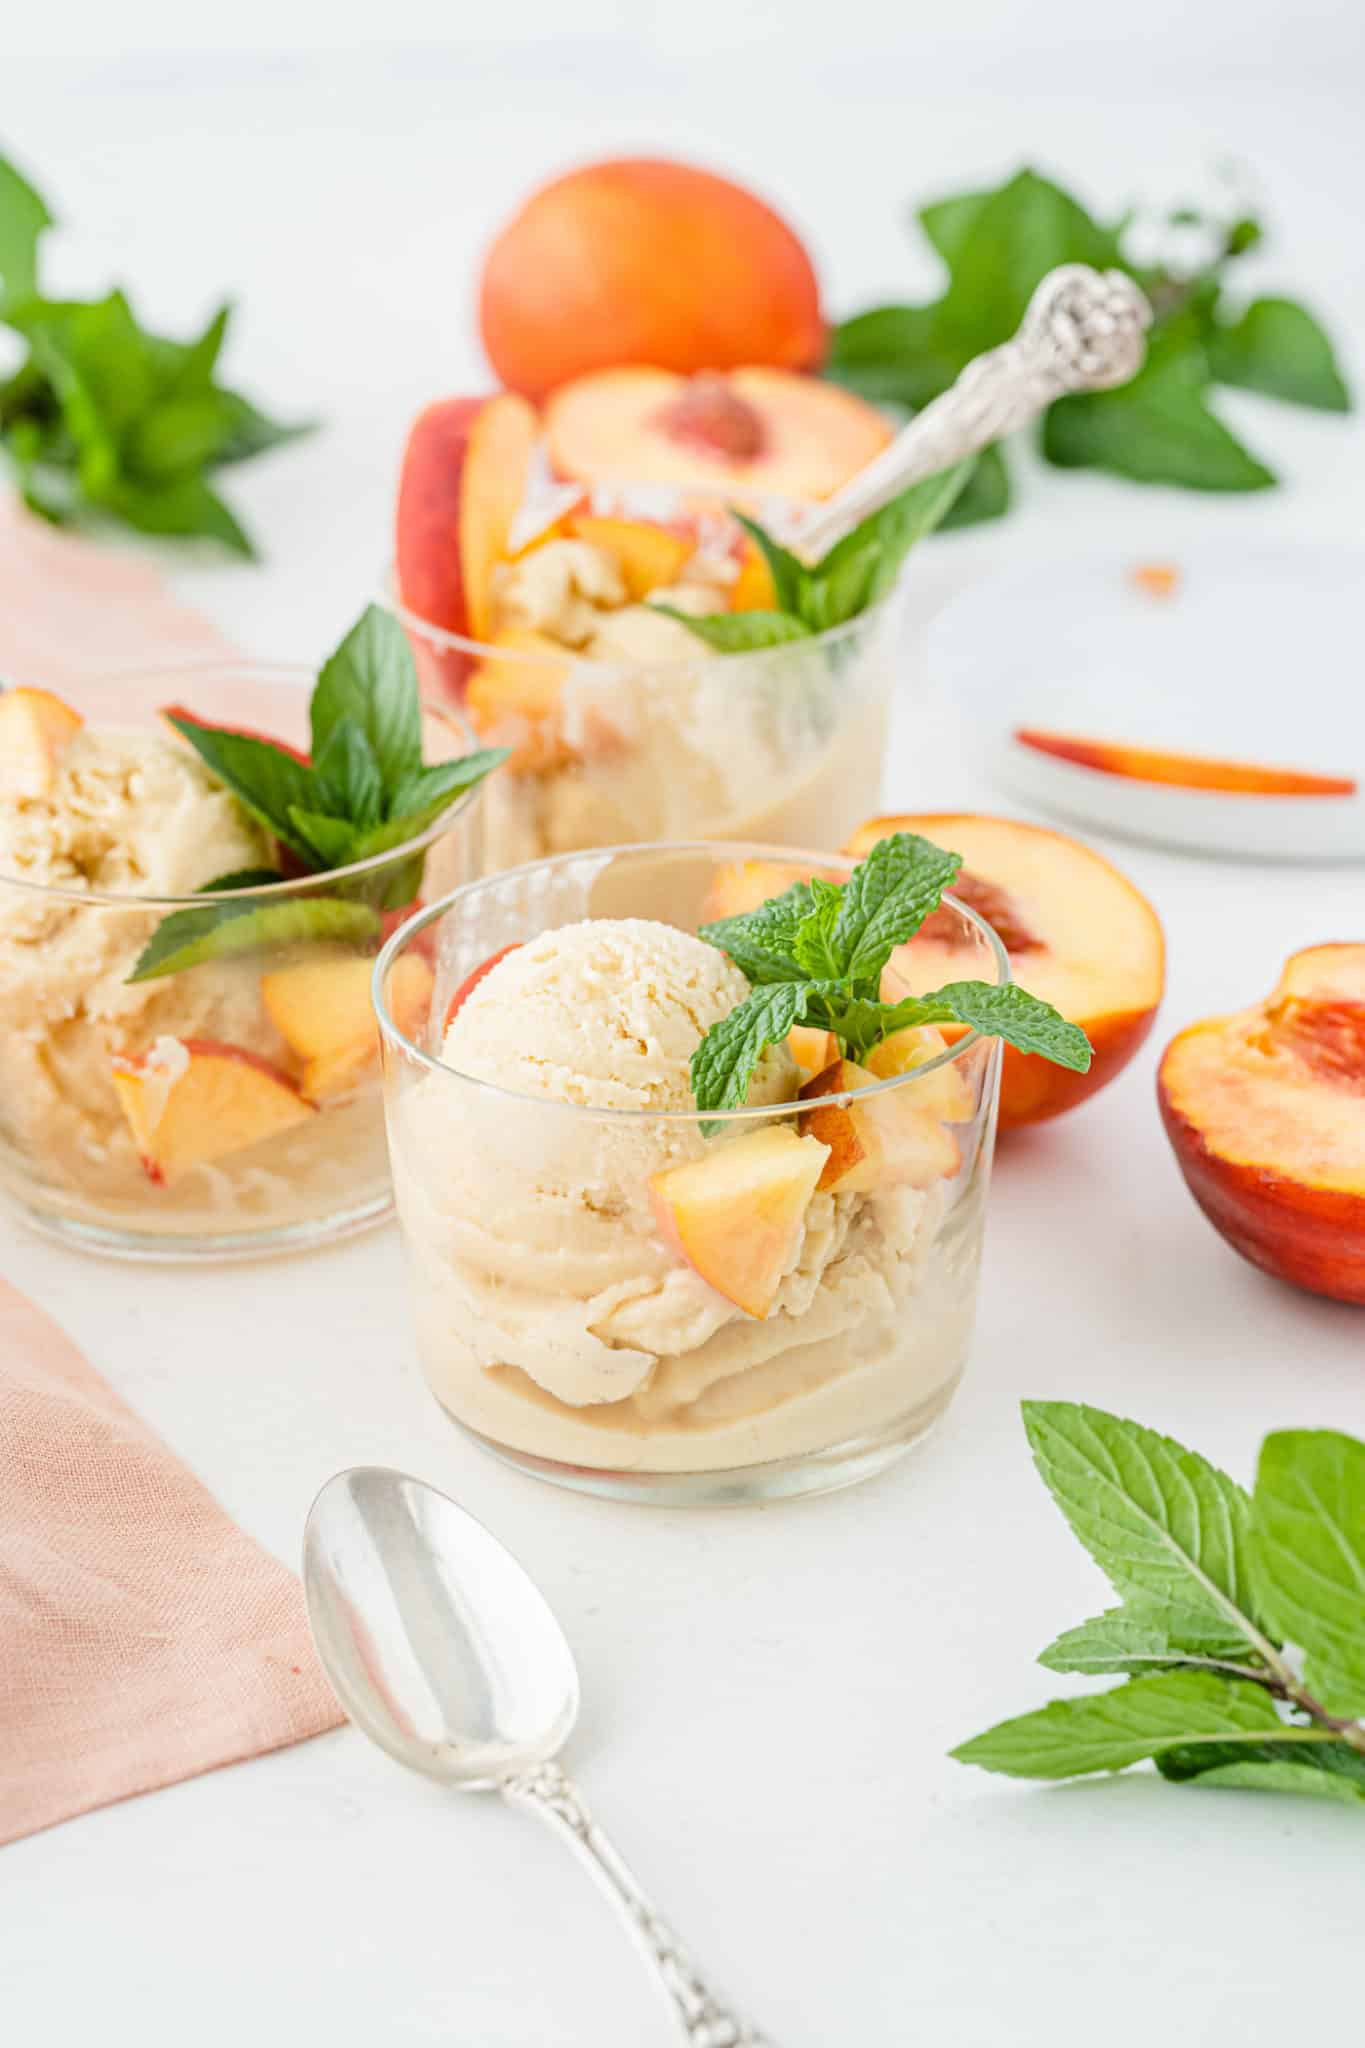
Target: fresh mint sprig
851, 576
104, 420
815, 955
365, 791
1213, 1582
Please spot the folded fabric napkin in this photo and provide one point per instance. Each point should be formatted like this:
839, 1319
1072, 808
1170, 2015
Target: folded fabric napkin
143, 1637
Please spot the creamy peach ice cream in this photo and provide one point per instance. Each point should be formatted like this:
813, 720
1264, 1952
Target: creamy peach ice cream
557, 1315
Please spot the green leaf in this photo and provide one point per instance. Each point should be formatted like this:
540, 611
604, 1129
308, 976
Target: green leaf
175, 436
739, 632
1022, 1020
1278, 347
893, 355
1322, 1769
1308, 1548
987, 493
762, 942
1159, 1520
437, 788
723, 1064
23, 216
1143, 1719
346, 775
896, 528
817, 951
1003, 246
1139, 1637
242, 878
848, 588
887, 898
1156, 430
331, 841
249, 432
269, 781
218, 931
949, 222
187, 509
785, 569
372, 680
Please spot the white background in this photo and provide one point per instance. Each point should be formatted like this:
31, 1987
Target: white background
769, 1695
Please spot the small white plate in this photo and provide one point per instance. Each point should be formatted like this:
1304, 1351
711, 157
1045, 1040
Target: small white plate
1257, 656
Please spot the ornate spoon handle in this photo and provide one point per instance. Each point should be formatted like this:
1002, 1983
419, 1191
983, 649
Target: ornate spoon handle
702, 2020
1082, 332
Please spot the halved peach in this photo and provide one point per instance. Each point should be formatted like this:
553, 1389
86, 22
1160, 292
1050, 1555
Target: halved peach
745, 434
35, 730
1266, 1112
882, 1140
649, 556
741, 885
1183, 771
464, 476
513, 697
189, 1101
322, 1010
737, 1215
1077, 932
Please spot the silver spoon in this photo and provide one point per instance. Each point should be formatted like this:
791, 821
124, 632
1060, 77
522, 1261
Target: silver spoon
444, 1652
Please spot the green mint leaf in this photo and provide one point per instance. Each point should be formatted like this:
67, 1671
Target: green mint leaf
1322, 1769
894, 355
739, 632
888, 536
346, 777
23, 217
814, 947
189, 937
1279, 348
372, 680
241, 878
187, 509
1160, 1521
1139, 1637
987, 493
858, 1022
423, 798
330, 841
1156, 430
847, 589
723, 1064
887, 898
1010, 1012
266, 779
787, 571
1143, 1719
248, 432
1308, 1551
762, 942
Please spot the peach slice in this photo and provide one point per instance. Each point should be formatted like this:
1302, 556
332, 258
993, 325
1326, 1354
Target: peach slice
464, 475
753, 589
35, 730
749, 435
650, 557
189, 1101
884, 1140
811, 1049
471, 981
1077, 932
638, 260
1183, 771
1157, 579
321, 1008
1266, 1112
513, 697
737, 1215
947, 1093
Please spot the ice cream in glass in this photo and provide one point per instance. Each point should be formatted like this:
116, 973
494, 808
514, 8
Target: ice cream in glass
619, 1291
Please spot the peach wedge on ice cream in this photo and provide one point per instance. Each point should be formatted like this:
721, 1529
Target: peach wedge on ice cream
321, 1009
1266, 1112
193, 1100
737, 1215
35, 730
881, 1140
1077, 932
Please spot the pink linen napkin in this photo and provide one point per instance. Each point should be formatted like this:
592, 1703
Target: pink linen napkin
143, 1637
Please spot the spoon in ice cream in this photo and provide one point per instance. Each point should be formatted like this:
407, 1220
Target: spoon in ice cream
443, 1651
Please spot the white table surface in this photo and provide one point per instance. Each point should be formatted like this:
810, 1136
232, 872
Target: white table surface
770, 1694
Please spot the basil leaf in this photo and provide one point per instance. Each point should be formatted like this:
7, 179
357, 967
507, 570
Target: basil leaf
218, 931
1143, 1719
1308, 1538
371, 679
887, 898
23, 217
249, 432
1279, 348
424, 798
739, 632
270, 782
785, 568
331, 841
187, 509
723, 1064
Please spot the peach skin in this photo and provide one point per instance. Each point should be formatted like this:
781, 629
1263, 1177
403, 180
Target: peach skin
1184, 771
1265, 1110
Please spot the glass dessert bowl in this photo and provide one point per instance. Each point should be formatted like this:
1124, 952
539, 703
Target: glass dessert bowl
187, 1074
618, 1292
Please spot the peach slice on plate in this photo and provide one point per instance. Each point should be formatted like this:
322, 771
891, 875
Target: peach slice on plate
748, 434
882, 1140
1266, 1112
464, 476
1184, 771
736, 1216
322, 1010
649, 556
35, 730
1077, 933
189, 1101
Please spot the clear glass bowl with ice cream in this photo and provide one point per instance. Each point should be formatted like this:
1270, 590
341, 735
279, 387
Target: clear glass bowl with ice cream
619, 1292
188, 1056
